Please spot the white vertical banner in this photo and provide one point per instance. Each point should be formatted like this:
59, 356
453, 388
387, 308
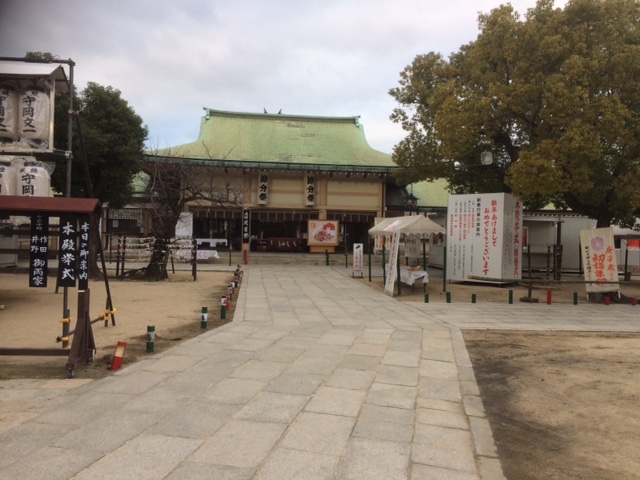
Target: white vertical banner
310, 190
392, 272
263, 189
599, 259
358, 250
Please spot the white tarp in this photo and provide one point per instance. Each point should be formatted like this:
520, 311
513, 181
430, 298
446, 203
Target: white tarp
409, 225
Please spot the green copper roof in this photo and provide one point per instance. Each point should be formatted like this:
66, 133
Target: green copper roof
278, 138
431, 193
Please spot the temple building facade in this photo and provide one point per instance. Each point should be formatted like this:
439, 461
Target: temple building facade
284, 182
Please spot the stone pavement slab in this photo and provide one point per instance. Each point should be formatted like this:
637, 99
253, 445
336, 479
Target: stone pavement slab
318, 376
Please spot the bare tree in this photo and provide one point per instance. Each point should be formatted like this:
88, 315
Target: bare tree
177, 184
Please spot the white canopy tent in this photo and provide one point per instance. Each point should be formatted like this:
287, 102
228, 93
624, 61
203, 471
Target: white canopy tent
409, 225
415, 226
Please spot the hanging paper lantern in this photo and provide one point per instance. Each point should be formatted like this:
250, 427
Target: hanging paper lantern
8, 113
8, 177
34, 114
34, 180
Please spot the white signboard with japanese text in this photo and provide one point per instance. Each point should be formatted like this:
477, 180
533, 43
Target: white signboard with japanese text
484, 237
358, 249
392, 272
599, 259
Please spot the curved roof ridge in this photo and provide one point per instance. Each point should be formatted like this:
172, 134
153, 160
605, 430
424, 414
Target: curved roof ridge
273, 138
227, 113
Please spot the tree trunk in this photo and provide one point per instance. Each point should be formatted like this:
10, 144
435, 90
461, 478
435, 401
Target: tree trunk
95, 272
603, 221
157, 268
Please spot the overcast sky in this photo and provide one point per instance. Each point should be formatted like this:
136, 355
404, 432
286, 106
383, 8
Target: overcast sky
172, 58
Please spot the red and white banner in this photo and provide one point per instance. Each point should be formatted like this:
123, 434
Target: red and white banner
599, 259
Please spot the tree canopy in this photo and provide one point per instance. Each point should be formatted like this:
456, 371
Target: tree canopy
113, 136
553, 95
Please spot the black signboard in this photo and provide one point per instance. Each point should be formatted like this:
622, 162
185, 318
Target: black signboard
310, 191
39, 250
246, 226
68, 259
83, 254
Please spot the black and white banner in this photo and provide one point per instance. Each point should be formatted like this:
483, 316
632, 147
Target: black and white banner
263, 189
68, 258
39, 251
83, 254
246, 226
310, 191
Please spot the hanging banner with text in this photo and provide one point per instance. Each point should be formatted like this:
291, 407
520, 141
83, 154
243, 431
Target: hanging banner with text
68, 258
263, 189
599, 259
39, 251
246, 226
83, 253
310, 191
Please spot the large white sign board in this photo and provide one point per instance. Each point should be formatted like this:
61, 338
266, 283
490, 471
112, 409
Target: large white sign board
484, 237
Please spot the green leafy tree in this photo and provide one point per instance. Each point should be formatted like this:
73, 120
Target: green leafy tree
113, 136
554, 96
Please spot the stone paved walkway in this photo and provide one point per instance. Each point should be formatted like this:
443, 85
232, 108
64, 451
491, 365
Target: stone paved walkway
318, 377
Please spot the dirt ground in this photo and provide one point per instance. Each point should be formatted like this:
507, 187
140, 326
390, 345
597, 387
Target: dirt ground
30, 317
561, 405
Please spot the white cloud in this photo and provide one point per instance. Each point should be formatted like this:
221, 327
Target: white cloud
170, 59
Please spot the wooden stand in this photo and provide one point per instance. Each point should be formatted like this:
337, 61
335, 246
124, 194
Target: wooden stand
83, 346
323, 249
